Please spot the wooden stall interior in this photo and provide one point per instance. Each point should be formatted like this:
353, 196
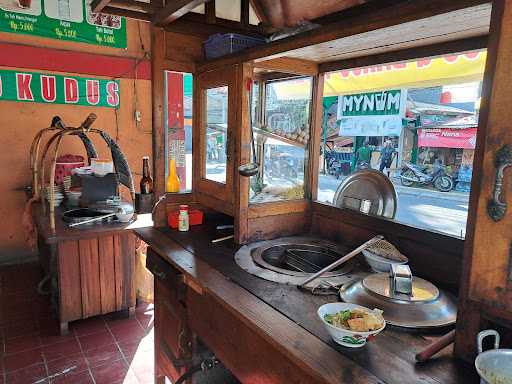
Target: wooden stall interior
369, 34
346, 34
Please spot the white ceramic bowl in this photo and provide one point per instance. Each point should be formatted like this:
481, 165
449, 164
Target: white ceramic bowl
494, 366
379, 263
341, 336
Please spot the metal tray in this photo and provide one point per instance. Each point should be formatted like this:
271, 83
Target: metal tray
81, 214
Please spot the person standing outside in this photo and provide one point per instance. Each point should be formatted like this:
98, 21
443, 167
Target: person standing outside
363, 156
387, 155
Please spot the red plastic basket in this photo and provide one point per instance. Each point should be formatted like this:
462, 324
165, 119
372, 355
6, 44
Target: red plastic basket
195, 217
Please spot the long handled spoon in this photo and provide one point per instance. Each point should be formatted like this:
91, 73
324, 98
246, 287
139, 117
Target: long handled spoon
344, 259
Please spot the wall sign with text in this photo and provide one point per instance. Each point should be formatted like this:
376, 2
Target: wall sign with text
63, 20
56, 89
372, 113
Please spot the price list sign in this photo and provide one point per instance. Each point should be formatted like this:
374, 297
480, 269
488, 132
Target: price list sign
64, 20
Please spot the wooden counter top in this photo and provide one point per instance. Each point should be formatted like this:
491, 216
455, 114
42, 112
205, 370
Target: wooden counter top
63, 232
286, 317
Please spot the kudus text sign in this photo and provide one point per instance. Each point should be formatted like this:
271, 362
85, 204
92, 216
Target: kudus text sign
57, 89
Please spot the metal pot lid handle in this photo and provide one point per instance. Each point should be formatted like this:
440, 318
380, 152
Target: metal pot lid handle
482, 335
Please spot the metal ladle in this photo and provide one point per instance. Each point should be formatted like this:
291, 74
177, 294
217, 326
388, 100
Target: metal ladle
250, 169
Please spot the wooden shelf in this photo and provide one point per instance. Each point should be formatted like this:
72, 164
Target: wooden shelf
274, 136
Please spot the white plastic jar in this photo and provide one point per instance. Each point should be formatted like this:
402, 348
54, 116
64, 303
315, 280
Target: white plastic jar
183, 219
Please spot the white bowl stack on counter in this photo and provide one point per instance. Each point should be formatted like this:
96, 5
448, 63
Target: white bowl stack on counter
58, 195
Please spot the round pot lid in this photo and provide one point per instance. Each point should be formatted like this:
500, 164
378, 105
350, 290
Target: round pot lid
367, 191
426, 307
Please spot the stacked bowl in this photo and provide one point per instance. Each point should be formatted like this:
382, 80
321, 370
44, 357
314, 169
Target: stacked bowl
58, 195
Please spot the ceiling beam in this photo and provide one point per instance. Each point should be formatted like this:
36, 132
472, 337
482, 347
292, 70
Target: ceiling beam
197, 25
393, 15
130, 5
98, 5
426, 51
364, 8
143, 16
174, 9
289, 65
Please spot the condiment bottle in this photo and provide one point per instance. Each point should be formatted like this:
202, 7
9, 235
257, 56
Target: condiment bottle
172, 184
183, 219
146, 183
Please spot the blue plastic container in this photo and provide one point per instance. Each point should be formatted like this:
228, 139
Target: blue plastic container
223, 44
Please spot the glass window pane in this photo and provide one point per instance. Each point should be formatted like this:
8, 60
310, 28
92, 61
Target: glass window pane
282, 140
416, 123
216, 134
178, 127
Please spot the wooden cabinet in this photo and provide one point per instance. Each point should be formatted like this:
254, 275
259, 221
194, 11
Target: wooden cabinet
172, 338
95, 276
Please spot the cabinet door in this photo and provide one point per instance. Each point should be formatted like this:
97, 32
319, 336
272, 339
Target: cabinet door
216, 119
172, 338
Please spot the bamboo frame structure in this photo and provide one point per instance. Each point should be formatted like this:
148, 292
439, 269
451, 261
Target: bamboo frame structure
37, 163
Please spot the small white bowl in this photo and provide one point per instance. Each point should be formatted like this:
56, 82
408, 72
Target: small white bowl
379, 263
342, 336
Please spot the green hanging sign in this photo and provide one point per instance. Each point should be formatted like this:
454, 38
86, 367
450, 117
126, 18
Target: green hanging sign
64, 20
56, 89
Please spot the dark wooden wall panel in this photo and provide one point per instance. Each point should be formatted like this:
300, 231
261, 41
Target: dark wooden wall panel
70, 296
270, 227
107, 274
90, 277
127, 243
119, 270
247, 355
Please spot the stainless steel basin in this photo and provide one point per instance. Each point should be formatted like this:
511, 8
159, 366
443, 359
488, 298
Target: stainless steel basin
291, 260
297, 259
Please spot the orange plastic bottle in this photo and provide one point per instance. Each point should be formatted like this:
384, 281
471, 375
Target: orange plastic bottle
172, 184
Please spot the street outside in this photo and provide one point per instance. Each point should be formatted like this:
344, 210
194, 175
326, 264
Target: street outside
444, 212
425, 208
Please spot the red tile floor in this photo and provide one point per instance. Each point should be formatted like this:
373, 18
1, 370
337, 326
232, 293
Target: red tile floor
110, 349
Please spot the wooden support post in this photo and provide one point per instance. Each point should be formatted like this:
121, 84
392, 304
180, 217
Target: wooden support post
244, 12
158, 86
317, 119
210, 12
487, 253
243, 142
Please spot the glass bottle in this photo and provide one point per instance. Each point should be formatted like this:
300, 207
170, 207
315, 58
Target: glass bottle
172, 184
146, 183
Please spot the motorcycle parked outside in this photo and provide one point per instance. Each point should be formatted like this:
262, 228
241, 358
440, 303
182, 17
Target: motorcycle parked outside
334, 167
283, 167
362, 165
413, 174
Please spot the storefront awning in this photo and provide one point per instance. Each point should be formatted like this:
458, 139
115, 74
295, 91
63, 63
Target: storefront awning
447, 138
450, 69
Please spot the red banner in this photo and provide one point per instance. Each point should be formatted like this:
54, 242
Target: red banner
447, 138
